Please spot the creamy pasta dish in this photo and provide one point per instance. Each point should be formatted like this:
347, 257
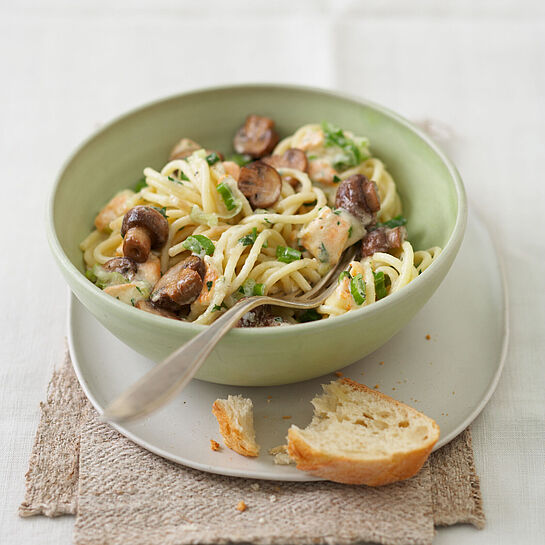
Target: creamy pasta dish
190, 240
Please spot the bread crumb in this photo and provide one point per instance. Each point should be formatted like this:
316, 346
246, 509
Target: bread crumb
241, 506
272, 498
338, 373
281, 456
428, 337
254, 486
375, 386
393, 388
214, 445
269, 399
381, 363
287, 417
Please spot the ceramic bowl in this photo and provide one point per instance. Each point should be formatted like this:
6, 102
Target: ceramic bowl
113, 159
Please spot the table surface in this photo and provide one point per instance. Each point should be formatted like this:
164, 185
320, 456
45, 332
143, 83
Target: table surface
476, 66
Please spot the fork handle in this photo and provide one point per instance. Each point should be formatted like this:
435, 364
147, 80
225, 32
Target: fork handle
166, 379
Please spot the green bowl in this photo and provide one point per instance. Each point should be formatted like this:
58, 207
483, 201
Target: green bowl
433, 198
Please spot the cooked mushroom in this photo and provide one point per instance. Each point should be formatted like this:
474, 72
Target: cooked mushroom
359, 196
185, 147
291, 158
143, 228
260, 184
382, 239
152, 309
196, 263
122, 265
256, 137
179, 286
260, 317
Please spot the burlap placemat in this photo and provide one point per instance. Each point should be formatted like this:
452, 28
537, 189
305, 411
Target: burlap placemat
123, 494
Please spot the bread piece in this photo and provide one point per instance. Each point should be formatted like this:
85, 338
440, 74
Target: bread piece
361, 436
236, 419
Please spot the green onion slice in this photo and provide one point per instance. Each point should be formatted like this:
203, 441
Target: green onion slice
380, 285
357, 289
249, 239
212, 158
285, 254
199, 244
225, 191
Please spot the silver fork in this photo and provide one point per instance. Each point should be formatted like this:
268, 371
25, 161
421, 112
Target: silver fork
169, 377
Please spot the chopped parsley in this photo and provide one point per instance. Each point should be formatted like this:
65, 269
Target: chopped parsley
313, 203
251, 287
285, 254
140, 184
352, 151
336, 179
323, 253
350, 231
199, 244
398, 221
179, 182
217, 308
249, 239
309, 315
132, 302
162, 211
209, 285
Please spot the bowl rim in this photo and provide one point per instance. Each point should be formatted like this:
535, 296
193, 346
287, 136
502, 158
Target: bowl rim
173, 326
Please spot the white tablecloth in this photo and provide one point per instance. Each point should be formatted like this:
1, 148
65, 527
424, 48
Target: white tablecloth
67, 67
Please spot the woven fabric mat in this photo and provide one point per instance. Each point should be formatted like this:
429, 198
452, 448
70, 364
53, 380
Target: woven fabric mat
121, 493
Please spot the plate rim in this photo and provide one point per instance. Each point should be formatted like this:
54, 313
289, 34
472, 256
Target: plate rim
303, 476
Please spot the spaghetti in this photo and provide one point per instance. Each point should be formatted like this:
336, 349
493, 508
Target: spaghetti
247, 250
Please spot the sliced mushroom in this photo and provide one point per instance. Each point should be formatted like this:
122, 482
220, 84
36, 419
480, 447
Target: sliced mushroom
256, 137
260, 317
382, 239
143, 228
196, 263
179, 286
122, 265
151, 308
291, 158
260, 184
186, 147
359, 196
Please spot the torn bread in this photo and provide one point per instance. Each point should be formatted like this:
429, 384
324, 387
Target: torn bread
236, 419
361, 436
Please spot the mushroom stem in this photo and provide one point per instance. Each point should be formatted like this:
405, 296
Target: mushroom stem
137, 244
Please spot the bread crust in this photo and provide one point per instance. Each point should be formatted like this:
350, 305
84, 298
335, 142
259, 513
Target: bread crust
372, 472
232, 436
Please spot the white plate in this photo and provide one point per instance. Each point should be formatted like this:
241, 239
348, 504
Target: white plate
449, 376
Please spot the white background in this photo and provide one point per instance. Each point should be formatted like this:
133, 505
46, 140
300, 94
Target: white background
66, 67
